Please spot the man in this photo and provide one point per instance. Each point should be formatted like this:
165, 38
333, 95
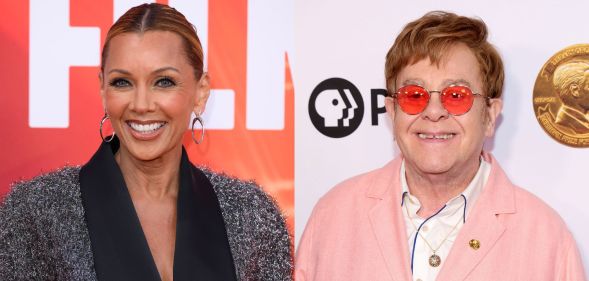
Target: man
571, 84
444, 209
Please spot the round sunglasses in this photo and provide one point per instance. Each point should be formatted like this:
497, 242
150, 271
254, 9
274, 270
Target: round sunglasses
457, 100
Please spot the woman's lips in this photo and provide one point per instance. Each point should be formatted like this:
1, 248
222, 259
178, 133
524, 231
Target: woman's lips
145, 130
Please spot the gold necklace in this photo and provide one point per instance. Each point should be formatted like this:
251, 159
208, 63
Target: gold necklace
434, 260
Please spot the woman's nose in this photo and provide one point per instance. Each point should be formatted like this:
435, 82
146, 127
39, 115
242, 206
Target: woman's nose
142, 100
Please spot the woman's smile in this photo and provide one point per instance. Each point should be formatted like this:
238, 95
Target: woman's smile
145, 130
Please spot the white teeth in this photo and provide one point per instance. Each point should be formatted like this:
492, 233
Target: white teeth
146, 128
432, 136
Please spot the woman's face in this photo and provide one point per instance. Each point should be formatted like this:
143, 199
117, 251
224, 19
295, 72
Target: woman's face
149, 90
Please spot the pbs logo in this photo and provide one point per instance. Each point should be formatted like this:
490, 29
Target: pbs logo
336, 107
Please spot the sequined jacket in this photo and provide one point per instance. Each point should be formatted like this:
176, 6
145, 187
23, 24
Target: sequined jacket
44, 234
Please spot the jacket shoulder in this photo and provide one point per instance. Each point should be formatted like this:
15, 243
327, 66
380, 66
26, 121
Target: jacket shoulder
42, 229
239, 193
257, 231
537, 211
360, 186
535, 224
245, 199
42, 191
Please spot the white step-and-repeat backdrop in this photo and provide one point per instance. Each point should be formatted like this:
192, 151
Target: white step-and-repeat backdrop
349, 40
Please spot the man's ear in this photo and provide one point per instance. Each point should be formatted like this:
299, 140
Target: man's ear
492, 113
202, 94
389, 104
574, 90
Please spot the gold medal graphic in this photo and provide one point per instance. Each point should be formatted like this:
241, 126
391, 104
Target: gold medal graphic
561, 96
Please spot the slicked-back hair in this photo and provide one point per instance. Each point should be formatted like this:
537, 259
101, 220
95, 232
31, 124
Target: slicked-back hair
158, 17
432, 35
568, 74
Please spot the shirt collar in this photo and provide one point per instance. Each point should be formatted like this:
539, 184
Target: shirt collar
468, 196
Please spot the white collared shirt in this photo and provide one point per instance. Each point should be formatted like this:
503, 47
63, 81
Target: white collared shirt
447, 222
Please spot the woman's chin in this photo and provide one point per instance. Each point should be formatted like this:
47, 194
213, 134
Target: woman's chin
146, 150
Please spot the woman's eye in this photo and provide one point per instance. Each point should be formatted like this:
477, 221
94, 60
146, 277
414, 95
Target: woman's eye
165, 82
119, 83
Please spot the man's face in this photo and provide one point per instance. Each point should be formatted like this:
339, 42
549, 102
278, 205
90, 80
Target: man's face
434, 141
583, 98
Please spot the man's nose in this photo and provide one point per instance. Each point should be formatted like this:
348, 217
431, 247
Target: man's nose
435, 111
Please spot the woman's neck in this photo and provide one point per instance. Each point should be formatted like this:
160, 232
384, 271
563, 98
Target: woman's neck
154, 179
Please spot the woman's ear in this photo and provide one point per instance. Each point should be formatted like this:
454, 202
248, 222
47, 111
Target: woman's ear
202, 94
102, 89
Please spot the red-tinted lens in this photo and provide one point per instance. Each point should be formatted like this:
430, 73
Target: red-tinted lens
457, 100
412, 99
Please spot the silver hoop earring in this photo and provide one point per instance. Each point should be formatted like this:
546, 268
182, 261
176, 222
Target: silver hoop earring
108, 139
202, 129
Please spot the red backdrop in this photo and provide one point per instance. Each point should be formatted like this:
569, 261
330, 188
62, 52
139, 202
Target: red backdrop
266, 156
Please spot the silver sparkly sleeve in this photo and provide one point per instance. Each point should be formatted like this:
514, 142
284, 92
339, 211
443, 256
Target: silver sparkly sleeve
258, 236
43, 235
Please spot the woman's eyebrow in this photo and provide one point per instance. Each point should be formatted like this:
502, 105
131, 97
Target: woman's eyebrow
163, 69
122, 71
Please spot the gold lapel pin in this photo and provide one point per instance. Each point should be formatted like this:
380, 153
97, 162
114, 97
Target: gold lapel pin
475, 244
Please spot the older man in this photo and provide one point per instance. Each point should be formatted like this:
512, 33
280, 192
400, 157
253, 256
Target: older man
444, 209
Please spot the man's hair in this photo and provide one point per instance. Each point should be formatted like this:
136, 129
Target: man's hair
432, 35
568, 74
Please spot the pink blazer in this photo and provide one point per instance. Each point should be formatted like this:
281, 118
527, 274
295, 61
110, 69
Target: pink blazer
357, 232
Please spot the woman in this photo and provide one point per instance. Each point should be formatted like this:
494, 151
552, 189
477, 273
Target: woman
139, 210
443, 209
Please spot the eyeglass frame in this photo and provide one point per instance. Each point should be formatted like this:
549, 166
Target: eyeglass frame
429, 92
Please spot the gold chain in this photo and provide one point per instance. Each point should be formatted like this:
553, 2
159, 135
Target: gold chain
425, 240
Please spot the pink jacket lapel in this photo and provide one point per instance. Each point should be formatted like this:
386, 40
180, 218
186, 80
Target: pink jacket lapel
387, 222
482, 224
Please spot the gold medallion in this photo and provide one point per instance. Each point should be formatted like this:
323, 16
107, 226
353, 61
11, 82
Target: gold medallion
561, 96
435, 260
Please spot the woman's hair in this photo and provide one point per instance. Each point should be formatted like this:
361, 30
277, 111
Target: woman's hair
431, 35
158, 17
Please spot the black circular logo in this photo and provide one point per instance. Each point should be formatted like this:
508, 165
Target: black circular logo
336, 107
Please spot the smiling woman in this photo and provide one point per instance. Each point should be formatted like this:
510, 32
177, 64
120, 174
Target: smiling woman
149, 90
139, 210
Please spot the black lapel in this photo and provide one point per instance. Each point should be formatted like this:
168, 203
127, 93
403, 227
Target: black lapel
118, 244
202, 248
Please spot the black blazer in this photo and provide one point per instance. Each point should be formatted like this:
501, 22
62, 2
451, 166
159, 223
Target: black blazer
79, 224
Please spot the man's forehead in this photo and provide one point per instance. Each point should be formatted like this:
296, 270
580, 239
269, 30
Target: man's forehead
421, 82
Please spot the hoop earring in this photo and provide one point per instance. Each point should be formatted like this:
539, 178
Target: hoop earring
202, 129
108, 139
